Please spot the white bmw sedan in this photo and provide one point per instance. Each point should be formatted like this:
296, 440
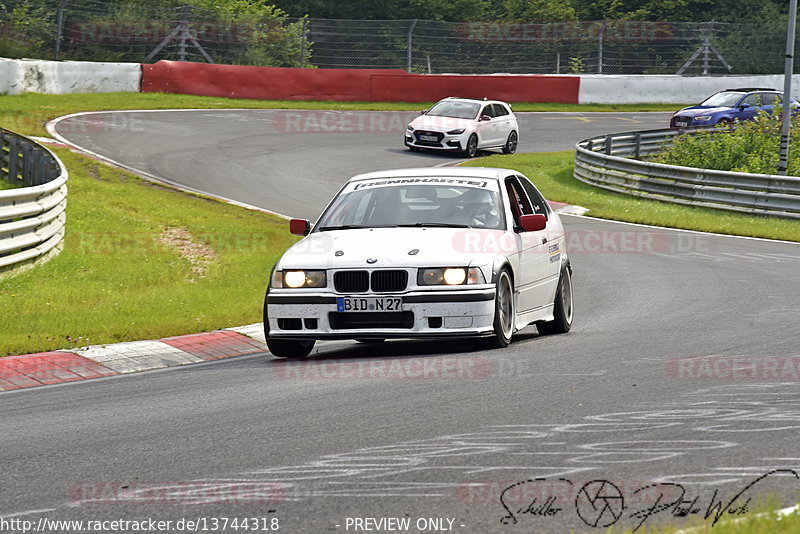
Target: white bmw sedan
422, 253
464, 125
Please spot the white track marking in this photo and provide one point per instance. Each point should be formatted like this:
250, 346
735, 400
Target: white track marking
27, 512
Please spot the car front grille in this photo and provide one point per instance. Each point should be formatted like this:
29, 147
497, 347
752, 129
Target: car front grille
438, 135
346, 320
351, 281
382, 281
389, 281
687, 120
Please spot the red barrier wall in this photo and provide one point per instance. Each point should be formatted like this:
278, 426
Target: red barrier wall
273, 83
429, 88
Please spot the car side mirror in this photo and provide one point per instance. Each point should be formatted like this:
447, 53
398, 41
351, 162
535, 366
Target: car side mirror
424, 111
533, 223
484, 118
744, 106
299, 226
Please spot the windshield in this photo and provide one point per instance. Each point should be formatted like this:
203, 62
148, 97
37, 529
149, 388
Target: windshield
455, 108
722, 100
414, 205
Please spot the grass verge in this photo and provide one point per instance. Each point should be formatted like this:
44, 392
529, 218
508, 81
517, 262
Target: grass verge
552, 174
27, 113
6, 185
140, 262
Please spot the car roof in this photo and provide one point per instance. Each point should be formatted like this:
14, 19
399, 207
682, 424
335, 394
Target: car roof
476, 100
487, 173
750, 90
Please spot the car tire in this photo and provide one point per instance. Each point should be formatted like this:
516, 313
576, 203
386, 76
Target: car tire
562, 307
472, 146
504, 313
725, 123
511, 143
292, 349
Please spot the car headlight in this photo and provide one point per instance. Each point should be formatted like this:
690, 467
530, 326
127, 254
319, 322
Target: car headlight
410, 128
297, 278
450, 276
457, 131
703, 118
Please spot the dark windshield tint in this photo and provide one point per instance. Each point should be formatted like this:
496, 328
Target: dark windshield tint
724, 99
455, 109
408, 205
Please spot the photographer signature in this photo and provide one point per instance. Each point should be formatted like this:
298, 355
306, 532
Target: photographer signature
601, 503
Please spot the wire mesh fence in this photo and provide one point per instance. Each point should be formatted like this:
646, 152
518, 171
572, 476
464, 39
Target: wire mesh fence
98, 30
597, 47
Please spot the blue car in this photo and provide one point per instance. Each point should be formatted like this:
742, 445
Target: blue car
729, 106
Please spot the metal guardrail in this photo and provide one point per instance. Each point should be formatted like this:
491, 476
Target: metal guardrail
32, 217
612, 162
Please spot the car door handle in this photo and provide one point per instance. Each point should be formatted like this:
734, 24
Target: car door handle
544, 240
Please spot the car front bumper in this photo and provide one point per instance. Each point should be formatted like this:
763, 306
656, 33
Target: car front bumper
452, 313
456, 143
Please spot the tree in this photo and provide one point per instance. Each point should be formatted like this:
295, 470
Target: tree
447, 10
538, 10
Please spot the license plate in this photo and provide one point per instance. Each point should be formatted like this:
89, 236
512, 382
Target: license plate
369, 304
681, 124
428, 138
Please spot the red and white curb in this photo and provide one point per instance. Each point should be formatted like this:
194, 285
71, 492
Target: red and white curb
30, 370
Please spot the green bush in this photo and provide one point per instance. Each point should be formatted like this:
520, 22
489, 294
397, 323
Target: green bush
752, 146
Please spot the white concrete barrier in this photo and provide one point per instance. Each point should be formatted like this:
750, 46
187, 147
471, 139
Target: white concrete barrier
62, 77
9, 73
668, 89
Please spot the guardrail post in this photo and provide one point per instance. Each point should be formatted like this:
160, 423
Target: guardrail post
4, 157
27, 168
39, 169
13, 158
608, 145
638, 145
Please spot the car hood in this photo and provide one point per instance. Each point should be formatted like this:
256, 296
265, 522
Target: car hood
391, 247
440, 124
694, 111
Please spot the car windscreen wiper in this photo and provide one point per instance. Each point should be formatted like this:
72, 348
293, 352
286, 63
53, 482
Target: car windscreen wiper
433, 225
342, 227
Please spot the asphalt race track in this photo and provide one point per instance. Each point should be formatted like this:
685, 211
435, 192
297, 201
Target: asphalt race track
680, 376
294, 161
